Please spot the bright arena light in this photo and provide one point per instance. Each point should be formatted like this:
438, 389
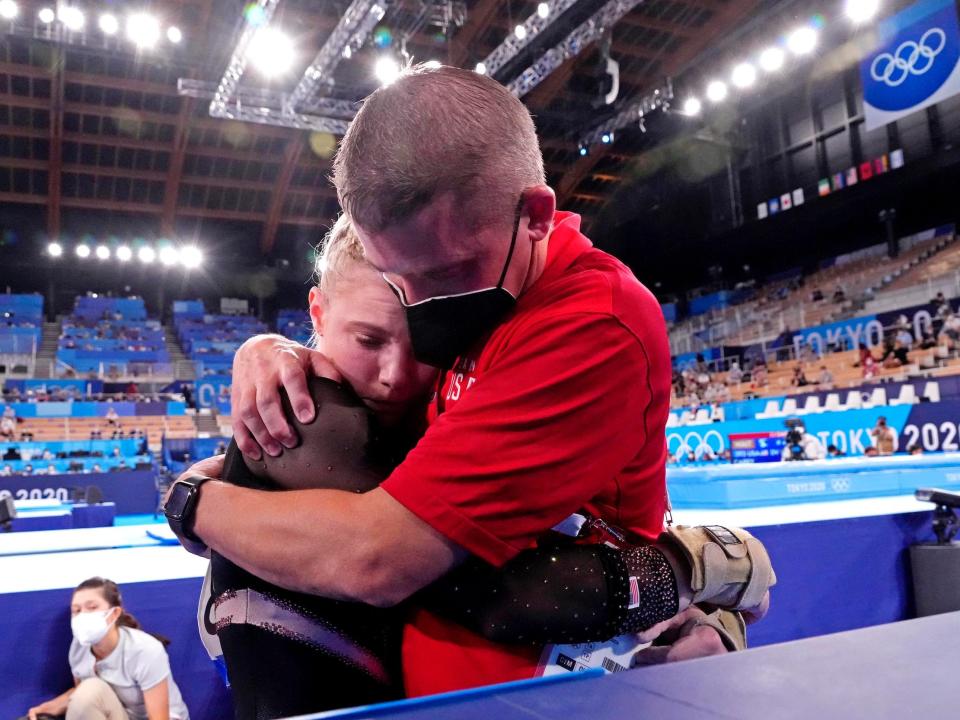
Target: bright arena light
168, 256
46, 15
8, 9
716, 91
744, 75
386, 70
71, 17
771, 59
271, 52
860, 11
191, 257
103, 252
481, 68
692, 106
432, 64
147, 255
543, 10
83, 251
520, 31
802, 40
109, 24
55, 249
174, 35
143, 30
124, 253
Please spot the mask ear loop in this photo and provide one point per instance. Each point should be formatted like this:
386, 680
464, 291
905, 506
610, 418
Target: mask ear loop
513, 241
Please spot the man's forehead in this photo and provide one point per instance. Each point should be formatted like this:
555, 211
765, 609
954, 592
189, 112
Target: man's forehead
416, 249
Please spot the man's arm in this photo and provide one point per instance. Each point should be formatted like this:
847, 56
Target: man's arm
361, 547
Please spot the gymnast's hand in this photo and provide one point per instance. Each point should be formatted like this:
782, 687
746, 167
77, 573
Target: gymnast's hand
681, 637
263, 365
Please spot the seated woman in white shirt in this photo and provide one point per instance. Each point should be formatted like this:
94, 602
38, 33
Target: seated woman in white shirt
120, 672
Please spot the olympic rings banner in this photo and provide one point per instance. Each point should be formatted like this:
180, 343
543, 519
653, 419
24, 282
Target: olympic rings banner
915, 63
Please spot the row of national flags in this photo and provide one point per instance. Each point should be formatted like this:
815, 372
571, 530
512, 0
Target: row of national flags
853, 175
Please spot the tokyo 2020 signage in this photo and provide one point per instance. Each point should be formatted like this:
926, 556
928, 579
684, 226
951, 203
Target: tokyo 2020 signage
915, 62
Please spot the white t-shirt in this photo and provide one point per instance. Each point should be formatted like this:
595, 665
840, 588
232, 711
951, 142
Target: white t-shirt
138, 663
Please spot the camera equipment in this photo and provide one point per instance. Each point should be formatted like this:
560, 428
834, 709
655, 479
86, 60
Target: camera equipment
945, 522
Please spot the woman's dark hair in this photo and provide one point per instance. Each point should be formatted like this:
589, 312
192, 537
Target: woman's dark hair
111, 593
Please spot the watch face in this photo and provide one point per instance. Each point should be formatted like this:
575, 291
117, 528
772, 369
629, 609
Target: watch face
179, 495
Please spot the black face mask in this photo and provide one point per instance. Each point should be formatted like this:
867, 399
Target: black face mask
444, 328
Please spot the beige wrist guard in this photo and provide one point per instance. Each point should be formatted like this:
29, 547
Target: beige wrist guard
729, 568
729, 626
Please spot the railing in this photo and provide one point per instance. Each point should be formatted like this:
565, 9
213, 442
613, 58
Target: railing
918, 294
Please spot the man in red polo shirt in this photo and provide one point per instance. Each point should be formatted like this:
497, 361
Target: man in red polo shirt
553, 397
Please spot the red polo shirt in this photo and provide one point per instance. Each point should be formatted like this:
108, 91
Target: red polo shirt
562, 408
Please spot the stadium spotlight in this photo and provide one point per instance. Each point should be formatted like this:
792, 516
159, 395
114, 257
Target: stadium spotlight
174, 34
744, 75
46, 15
692, 106
55, 249
771, 59
387, 70
191, 257
168, 256
543, 10
860, 11
271, 51
124, 253
607, 137
147, 254
520, 31
109, 24
8, 9
83, 250
583, 150
71, 17
103, 252
143, 30
716, 91
802, 41
481, 68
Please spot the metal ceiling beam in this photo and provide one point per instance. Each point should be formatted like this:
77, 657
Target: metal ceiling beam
478, 20
279, 195
730, 13
56, 139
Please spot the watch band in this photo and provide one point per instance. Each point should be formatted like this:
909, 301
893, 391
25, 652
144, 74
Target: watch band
182, 517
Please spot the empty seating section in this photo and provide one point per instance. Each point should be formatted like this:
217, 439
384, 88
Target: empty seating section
784, 304
295, 324
21, 331
211, 341
111, 338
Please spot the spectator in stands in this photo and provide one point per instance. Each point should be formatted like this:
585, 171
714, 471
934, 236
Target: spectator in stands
701, 367
867, 362
46, 454
115, 452
27, 469
895, 356
927, 339
799, 377
120, 466
9, 413
735, 374
96, 468
717, 413
904, 337
52, 469
951, 327
870, 452
26, 436
884, 438
825, 380
758, 375
914, 449
12, 453
834, 451
7, 427
939, 300
95, 434
816, 295
119, 671
839, 295
221, 449
6, 471
112, 417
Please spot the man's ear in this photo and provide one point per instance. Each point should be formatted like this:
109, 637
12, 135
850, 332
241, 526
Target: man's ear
540, 204
315, 300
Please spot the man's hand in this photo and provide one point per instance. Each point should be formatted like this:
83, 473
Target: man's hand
681, 638
211, 467
263, 365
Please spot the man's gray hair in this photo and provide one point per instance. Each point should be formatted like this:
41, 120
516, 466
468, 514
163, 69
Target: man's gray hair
433, 131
